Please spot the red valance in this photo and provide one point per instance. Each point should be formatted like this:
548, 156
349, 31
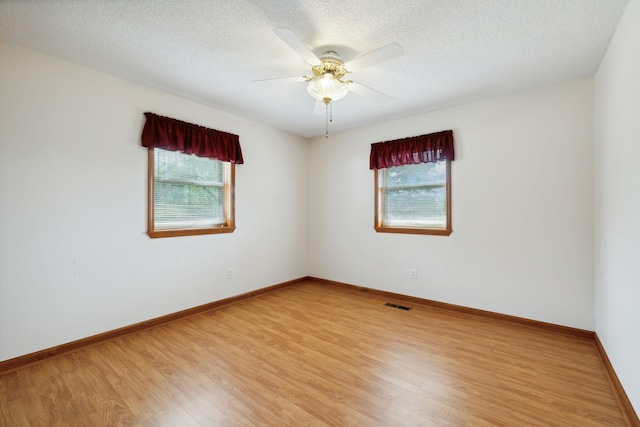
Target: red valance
427, 148
176, 135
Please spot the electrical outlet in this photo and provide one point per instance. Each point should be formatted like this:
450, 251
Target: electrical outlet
229, 273
413, 273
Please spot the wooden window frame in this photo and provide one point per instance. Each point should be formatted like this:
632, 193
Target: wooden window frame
229, 205
379, 207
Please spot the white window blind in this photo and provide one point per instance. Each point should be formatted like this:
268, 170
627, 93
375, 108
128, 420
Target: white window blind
188, 191
415, 195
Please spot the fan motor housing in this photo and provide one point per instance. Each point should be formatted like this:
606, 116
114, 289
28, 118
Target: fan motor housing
331, 63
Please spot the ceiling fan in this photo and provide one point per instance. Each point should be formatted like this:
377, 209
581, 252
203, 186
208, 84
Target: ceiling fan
327, 82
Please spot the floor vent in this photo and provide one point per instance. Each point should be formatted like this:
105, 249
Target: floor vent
399, 307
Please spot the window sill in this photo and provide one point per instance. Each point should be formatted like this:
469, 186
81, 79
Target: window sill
414, 230
190, 232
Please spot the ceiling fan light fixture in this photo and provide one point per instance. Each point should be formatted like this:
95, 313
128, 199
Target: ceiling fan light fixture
327, 88
329, 69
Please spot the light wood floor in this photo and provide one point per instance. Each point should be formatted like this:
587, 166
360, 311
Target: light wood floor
314, 354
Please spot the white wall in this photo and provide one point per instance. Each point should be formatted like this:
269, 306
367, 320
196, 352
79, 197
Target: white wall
522, 209
74, 256
617, 202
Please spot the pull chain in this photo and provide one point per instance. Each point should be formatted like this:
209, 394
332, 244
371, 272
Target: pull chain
326, 119
328, 115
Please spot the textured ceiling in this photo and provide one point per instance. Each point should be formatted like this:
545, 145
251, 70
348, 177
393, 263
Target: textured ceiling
456, 51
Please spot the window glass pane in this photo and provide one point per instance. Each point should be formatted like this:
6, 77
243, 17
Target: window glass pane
187, 206
420, 174
415, 195
419, 207
188, 191
175, 166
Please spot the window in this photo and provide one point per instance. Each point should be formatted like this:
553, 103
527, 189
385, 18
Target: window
189, 195
414, 199
413, 184
191, 176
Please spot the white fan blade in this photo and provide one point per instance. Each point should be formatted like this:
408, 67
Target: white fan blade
297, 45
385, 53
367, 92
297, 79
320, 108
